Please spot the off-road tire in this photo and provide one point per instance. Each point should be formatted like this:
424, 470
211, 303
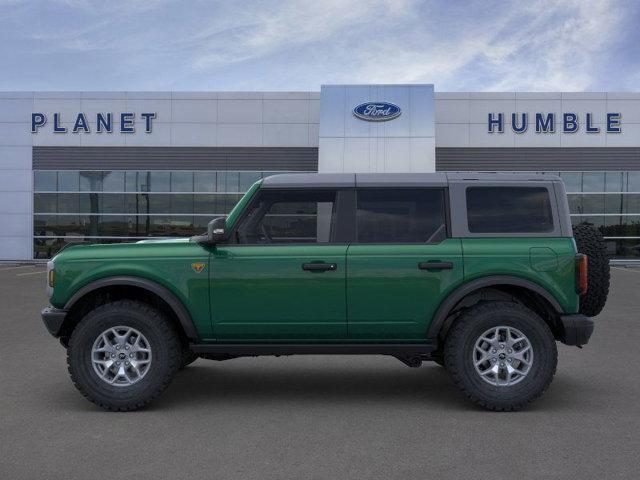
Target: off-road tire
162, 337
460, 344
590, 242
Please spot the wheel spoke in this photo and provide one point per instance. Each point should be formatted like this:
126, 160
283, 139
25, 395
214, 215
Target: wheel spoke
106, 344
139, 363
136, 369
122, 371
105, 375
128, 335
137, 346
488, 340
483, 359
520, 355
495, 369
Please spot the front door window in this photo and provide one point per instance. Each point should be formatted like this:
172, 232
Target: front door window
289, 217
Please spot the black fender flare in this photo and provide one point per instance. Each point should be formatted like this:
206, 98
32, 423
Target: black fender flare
164, 293
463, 290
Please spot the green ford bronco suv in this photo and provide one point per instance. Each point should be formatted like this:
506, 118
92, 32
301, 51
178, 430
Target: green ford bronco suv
481, 273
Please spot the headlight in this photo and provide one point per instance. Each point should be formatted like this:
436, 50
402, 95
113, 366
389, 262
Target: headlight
51, 278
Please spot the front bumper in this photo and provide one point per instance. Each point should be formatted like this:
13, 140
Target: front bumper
576, 329
53, 319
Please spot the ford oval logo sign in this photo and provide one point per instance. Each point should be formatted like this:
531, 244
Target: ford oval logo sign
377, 111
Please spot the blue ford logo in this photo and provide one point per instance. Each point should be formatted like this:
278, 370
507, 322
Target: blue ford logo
377, 111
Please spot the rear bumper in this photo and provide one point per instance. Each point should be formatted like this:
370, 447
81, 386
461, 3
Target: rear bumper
576, 329
53, 319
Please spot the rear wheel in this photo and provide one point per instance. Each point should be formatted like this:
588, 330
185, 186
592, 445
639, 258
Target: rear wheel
589, 241
501, 355
122, 355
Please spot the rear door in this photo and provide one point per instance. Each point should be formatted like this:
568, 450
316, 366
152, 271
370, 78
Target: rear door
401, 264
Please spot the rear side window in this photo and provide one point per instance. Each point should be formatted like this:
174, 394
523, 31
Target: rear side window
509, 210
401, 216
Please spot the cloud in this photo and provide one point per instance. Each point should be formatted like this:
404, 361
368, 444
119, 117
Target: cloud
290, 24
541, 45
299, 44
561, 49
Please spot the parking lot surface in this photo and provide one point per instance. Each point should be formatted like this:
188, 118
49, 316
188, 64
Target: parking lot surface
318, 417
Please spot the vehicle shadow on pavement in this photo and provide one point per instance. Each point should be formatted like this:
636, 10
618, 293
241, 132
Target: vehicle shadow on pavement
209, 383
429, 383
429, 386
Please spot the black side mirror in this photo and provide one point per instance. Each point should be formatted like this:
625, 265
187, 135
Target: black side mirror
216, 231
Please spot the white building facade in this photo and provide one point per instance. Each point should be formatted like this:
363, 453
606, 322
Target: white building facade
123, 166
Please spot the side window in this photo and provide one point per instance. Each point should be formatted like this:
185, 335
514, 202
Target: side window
401, 215
289, 216
509, 210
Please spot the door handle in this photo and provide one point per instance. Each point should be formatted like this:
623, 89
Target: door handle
435, 265
319, 267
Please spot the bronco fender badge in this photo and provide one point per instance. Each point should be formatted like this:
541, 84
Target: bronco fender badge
198, 266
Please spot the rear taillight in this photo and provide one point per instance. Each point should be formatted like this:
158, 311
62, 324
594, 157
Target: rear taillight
582, 265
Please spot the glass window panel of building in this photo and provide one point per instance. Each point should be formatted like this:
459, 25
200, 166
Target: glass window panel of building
98, 206
71, 206
610, 201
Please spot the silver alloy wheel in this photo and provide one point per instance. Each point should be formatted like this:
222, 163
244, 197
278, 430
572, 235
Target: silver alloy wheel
121, 356
503, 356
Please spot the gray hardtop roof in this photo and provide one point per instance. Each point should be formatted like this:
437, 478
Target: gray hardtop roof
437, 179
501, 177
306, 180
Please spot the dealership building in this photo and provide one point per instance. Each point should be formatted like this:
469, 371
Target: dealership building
123, 166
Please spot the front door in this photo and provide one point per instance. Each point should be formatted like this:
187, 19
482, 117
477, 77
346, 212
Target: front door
401, 265
283, 275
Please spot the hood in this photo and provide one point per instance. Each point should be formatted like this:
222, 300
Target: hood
155, 247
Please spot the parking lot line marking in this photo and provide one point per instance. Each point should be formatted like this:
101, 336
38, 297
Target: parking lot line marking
15, 268
633, 270
30, 273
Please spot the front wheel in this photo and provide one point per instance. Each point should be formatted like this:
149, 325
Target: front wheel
122, 355
501, 355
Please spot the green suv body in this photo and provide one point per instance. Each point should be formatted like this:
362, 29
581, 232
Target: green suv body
409, 265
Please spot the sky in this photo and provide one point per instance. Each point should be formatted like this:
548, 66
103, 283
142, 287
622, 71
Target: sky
285, 45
